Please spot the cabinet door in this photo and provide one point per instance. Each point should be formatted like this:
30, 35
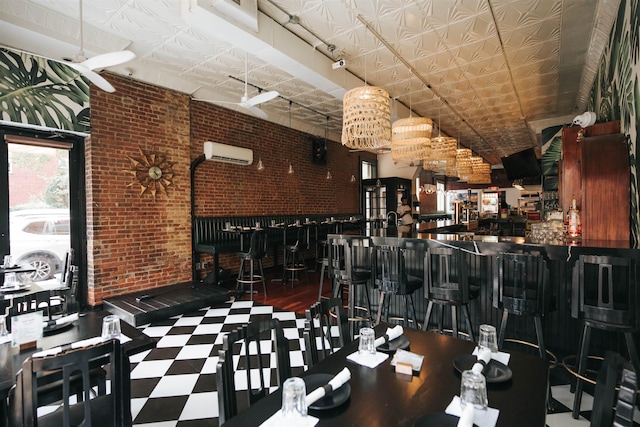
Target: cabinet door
605, 188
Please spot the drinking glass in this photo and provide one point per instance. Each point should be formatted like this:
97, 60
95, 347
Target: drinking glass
297, 223
227, 226
10, 280
294, 403
367, 340
258, 225
3, 326
488, 338
273, 222
110, 327
473, 390
7, 261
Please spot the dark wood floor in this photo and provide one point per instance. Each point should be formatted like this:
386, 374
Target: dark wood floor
297, 298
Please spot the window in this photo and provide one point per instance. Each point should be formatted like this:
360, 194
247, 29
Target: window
369, 169
441, 196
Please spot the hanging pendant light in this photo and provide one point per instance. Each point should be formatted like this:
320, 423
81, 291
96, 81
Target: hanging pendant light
410, 137
260, 165
290, 171
442, 156
353, 179
366, 118
329, 175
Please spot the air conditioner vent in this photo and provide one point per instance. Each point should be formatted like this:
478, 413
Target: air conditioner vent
227, 153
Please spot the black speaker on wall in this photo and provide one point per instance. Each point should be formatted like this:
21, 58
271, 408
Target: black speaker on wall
318, 150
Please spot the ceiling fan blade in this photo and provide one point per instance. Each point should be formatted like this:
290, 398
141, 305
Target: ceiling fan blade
262, 97
93, 77
109, 59
255, 111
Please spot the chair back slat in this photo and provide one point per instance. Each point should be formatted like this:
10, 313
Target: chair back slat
603, 290
101, 410
320, 318
248, 340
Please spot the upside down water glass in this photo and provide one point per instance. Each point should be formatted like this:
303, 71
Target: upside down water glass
294, 403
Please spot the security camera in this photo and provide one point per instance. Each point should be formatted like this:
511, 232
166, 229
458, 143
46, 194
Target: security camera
339, 64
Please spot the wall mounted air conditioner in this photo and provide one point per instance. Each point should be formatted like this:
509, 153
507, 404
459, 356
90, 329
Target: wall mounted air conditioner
227, 153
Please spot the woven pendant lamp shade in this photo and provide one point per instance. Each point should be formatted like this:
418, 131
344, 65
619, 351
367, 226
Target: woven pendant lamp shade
442, 155
410, 139
366, 118
481, 172
463, 161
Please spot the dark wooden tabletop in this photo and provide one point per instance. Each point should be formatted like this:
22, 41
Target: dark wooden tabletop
88, 325
381, 397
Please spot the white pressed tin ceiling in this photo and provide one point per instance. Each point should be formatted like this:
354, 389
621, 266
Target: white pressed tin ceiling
492, 72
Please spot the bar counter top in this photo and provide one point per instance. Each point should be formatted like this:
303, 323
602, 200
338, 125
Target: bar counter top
463, 236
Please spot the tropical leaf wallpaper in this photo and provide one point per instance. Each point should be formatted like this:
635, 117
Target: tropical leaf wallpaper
615, 94
42, 92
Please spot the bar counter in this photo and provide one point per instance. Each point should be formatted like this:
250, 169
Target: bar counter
561, 331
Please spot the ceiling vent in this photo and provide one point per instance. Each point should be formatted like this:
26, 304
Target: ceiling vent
244, 12
227, 153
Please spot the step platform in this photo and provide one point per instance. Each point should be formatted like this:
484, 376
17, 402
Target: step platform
151, 305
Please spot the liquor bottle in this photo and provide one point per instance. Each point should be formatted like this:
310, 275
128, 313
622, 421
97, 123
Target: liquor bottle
575, 225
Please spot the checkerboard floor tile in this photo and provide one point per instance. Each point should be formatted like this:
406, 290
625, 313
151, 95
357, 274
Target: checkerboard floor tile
174, 384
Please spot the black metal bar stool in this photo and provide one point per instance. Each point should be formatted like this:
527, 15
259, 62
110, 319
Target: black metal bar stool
294, 256
447, 281
323, 260
603, 296
521, 287
396, 278
350, 267
257, 251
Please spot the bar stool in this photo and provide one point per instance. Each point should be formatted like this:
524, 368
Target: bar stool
395, 278
257, 250
294, 256
447, 281
521, 287
323, 261
350, 267
603, 296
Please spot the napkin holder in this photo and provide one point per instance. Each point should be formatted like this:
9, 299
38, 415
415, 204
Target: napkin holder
26, 330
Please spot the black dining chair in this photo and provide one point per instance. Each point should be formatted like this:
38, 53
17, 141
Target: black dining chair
326, 328
254, 359
615, 370
73, 365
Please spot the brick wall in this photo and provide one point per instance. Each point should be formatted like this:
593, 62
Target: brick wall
136, 243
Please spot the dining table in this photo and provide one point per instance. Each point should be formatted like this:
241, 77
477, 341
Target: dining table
88, 325
381, 397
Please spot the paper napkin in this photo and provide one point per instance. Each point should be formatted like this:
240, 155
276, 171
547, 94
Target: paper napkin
368, 360
390, 335
499, 356
487, 418
334, 384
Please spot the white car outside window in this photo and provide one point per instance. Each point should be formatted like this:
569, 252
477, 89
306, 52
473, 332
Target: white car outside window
40, 238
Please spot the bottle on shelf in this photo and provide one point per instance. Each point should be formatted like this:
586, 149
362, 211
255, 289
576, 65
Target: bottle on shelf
575, 226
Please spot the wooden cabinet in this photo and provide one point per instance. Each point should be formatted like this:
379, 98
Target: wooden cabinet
595, 172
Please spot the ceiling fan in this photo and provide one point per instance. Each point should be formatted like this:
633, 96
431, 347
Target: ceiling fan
86, 66
251, 104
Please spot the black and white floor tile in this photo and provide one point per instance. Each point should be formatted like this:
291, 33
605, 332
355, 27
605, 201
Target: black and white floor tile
174, 384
